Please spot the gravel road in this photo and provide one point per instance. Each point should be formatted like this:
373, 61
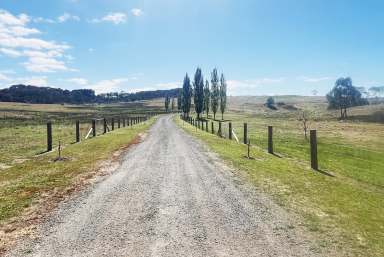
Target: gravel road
170, 197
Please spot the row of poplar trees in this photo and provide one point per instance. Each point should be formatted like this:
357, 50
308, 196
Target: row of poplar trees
206, 96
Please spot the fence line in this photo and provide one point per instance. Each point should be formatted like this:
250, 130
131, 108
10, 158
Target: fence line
246, 141
129, 121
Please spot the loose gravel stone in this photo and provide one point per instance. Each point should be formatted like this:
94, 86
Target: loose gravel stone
170, 197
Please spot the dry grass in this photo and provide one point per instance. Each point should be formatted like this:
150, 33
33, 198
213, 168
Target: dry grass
344, 211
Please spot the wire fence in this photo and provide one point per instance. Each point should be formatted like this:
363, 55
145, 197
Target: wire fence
331, 155
23, 140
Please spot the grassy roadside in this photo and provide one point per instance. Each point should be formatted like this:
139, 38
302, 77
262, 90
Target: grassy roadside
346, 217
24, 184
23, 126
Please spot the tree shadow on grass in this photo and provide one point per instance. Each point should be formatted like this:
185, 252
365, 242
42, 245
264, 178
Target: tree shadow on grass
375, 117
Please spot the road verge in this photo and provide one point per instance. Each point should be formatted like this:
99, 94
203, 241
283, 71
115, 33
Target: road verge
32, 189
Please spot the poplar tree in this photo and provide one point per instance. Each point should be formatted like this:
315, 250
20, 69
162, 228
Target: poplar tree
223, 95
173, 104
166, 103
207, 97
186, 96
198, 92
215, 92
179, 107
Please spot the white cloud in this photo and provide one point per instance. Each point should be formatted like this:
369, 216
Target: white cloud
35, 81
9, 40
43, 64
18, 40
156, 86
106, 86
7, 79
4, 77
136, 12
17, 30
9, 19
241, 87
167, 85
42, 20
10, 52
67, 17
116, 18
7, 71
78, 81
41, 81
313, 79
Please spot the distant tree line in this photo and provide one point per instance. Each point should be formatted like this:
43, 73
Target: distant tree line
48, 95
206, 97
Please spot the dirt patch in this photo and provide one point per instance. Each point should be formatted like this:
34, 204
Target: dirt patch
26, 224
4, 166
19, 160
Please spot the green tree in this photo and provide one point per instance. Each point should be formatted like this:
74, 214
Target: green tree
223, 95
166, 103
173, 104
344, 95
186, 96
270, 102
198, 92
179, 96
215, 92
207, 97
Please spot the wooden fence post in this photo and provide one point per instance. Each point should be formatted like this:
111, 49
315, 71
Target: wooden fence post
77, 131
270, 139
313, 142
245, 137
49, 136
118, 122
124, 122
230, 130
220, 131
93, 127
113, 124
212, 128
206, 126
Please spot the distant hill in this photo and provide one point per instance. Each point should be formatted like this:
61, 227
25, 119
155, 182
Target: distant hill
48, 95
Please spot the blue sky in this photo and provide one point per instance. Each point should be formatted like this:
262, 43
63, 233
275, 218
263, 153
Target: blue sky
262, 46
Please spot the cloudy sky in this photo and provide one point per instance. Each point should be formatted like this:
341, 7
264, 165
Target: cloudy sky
262, 46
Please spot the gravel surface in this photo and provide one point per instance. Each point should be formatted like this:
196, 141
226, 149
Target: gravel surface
170, 197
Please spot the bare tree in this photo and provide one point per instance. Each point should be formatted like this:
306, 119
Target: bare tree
303, 118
